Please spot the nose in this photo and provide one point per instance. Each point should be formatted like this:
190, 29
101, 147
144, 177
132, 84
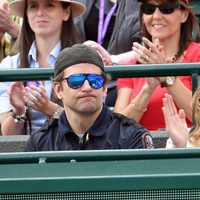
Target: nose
157, 13
86, 86
40, 10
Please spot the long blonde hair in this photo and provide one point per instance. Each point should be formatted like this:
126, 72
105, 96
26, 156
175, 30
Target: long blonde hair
195, 133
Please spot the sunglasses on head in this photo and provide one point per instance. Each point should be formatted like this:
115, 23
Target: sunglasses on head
76, 81
149, 9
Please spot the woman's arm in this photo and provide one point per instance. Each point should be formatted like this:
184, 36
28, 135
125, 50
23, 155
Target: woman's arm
182, 97
137, 107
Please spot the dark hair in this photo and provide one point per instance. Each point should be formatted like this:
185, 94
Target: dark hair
69, 36
187, 29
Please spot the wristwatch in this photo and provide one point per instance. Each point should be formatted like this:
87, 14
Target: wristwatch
169, 81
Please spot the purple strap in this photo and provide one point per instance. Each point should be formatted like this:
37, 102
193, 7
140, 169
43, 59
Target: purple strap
103, 24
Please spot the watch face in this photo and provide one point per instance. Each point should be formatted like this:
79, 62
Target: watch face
170, 80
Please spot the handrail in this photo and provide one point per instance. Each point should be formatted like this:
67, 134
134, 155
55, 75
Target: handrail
125, 71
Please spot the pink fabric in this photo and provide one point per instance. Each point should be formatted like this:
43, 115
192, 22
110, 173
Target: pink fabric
153, 117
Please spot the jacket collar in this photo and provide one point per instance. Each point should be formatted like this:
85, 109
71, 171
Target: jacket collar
96, 130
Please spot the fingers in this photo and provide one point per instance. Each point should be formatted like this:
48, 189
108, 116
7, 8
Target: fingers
35, 97
154, 54
142, 53
182, 117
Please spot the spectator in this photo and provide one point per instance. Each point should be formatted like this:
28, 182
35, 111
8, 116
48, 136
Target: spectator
9, 30
166, 41
47, 28
120, 28
80, 82
176, 125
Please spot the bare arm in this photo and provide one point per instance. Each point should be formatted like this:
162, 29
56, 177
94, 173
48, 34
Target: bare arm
19, 96
124, 58
137, 107
182, 97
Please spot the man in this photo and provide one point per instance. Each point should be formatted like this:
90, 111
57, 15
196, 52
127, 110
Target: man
80, 82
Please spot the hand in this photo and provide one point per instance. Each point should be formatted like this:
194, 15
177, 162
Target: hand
152, 55
16, 94
175, 122
36, 98
6, 23
105, 55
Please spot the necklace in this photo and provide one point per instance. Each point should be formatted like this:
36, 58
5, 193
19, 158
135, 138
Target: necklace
175, 58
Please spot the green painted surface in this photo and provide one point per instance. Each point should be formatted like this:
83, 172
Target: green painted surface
85, 171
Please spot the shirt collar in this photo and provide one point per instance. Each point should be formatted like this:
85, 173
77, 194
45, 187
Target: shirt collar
97, 129
32, 55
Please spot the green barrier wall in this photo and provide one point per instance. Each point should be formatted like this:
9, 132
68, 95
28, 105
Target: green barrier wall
121, 174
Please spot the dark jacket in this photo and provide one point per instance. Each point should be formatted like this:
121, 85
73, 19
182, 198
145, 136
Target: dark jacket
126, 29
110, 131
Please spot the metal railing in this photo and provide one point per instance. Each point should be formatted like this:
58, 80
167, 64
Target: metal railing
126, 71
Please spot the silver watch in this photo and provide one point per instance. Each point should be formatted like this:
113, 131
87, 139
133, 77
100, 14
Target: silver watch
169, 81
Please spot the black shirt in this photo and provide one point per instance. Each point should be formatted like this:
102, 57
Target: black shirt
110, 131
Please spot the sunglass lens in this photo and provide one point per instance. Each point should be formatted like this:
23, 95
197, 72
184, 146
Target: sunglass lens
75, 81
96, 81
148, 9
167, 9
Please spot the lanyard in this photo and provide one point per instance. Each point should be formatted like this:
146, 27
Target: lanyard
103, 24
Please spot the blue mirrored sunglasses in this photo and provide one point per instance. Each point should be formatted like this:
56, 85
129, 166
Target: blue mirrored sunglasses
165, 9
76, 81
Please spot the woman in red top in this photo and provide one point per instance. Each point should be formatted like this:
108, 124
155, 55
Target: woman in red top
167, 27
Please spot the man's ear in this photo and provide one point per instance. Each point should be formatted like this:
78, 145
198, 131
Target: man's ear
67, 13
57, 89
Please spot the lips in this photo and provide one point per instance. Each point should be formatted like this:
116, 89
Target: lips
158, 26
86, 96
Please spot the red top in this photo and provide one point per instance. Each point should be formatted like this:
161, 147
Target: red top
153, 118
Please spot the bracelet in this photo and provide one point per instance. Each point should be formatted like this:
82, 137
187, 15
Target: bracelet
136, 108
19, 118
58, 111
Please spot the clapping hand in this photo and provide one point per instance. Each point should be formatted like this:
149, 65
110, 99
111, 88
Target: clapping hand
175, 122
154, 54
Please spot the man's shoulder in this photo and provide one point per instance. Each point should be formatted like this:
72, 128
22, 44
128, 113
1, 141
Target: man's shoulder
129, 128
39, 138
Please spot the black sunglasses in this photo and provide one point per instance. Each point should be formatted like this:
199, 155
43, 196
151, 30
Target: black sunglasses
149, 9
76, 81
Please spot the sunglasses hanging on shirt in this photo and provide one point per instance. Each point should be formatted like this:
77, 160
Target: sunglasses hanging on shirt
165, 9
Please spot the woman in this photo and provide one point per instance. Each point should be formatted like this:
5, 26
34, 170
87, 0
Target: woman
176, 125
47, 28
166, 41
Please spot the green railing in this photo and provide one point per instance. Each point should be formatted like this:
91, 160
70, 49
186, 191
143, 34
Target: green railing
181, 69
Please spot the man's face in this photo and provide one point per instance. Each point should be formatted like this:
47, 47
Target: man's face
84, 100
